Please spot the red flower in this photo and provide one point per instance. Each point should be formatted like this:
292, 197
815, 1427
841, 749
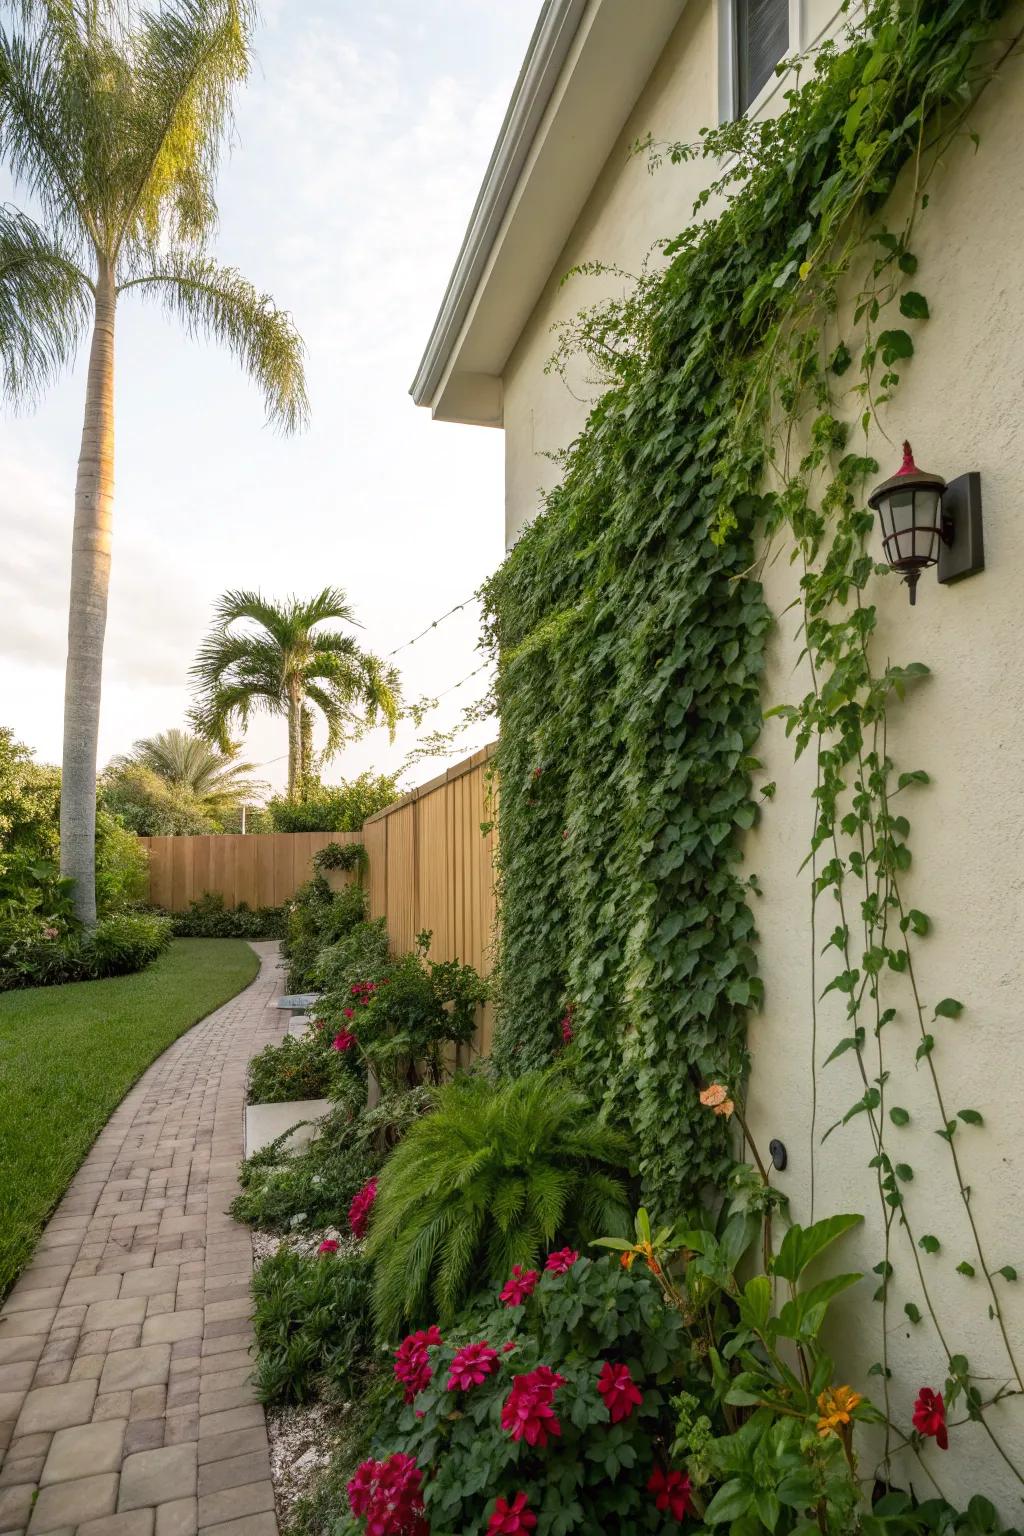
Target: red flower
390, 1495
344, 1040
930, 1417
560, 1262
522, 1285
619, 1391
349, 1013
567, 1024
412, 1360
527, 1413
472, 1366
329, 1245
507, 1348
672, 1491
513, 1519
359, 1210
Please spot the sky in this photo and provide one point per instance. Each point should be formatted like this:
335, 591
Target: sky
360, 143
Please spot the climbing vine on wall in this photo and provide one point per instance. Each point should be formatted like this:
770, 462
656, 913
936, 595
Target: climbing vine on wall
630, 627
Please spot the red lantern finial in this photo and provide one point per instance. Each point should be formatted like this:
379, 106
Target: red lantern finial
908, 467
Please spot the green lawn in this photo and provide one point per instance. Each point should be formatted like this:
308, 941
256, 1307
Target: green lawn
68, 1056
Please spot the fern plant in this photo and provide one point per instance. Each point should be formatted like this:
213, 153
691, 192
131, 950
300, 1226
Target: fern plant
498, 1173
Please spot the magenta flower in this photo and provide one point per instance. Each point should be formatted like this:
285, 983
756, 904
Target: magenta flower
390, 1495
344, 1040
528, 1412
619, 1391
359, 1210
515, 1519
329, 1245
561, 1261
412, 1360
522, 1284
472, 1366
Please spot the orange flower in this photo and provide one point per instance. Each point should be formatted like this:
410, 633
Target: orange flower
641, 1251
836, 1405
627, 1259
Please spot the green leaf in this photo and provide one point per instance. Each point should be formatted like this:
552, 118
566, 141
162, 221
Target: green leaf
970, 1117
899, 1116
913, 1312
841, 359
925, 1048
965, 1268
1008, 1272
756, 1302
929, 1244
731, 1501
800, 1245
914, 306
904, 1171
894, 345
949, 1008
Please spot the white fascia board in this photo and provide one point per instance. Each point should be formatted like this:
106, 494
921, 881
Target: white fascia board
587, 63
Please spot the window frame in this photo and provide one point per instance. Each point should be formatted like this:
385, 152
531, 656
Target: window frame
728, 61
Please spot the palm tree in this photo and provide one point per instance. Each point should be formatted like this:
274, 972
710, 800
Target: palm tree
284, 662
177, 781
112, 121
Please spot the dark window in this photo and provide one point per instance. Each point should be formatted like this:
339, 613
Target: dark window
762, 37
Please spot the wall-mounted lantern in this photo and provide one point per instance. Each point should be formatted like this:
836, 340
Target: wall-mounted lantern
927, 522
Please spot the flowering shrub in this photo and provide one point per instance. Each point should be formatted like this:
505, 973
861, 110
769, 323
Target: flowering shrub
388, 1494
548, 1415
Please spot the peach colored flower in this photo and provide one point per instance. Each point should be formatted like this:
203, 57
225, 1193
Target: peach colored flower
716, 1097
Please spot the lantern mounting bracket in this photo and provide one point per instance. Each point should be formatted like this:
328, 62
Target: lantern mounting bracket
962, 552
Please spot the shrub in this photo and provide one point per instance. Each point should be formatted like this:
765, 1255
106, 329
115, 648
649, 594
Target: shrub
340, 856
313, 1325
563, 1403
208, 917
318, 917
300, 1069
495, 1174
287, 1191
405, 1019
362, 955
121, 866
121, 943
332, 807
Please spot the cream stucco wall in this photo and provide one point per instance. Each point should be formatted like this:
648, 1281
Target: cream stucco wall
962, 403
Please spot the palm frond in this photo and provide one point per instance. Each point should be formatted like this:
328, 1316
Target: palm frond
210, 300
45, 306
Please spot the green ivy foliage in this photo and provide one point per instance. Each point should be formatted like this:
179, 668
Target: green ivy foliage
627, 621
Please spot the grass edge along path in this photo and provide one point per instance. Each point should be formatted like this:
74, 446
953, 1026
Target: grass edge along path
68, 1056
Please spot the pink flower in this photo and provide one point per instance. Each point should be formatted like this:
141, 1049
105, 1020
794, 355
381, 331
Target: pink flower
349, 1013
359, 1210
472, 1366
507, 1349
412, 1360
329, 1245
560, 1262
514, 1519
567, 1024
390, 1495
527, 1413
619, 1391
522, 1285
672, 1492
344, 1040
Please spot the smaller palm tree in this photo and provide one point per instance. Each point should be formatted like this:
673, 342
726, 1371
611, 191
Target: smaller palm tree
178, 782
280, 658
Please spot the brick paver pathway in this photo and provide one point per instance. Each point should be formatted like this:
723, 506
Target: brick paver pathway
125, 1402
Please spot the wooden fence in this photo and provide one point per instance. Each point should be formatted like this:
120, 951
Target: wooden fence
262, 869
431, 866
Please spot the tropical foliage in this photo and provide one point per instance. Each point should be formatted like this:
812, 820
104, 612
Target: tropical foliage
329, 807
176, 783
279, 658
497, 1173
313, 1324
112, 122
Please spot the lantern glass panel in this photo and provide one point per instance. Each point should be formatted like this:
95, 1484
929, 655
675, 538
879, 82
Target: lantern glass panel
910, 526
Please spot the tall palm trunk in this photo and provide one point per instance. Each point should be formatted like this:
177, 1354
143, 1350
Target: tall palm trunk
87, 621
294, 738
